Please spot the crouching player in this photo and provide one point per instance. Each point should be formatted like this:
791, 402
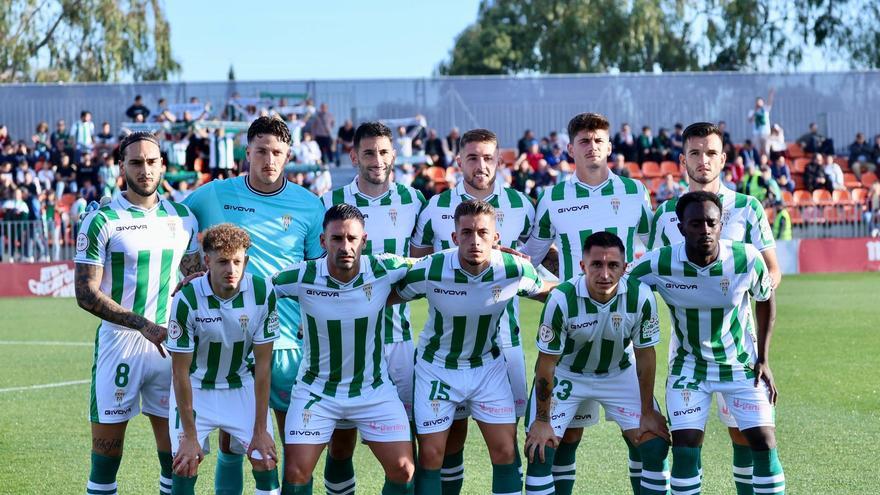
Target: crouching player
344, 374
593, 325
217, 321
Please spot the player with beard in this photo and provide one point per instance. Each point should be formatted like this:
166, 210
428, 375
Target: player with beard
127, 253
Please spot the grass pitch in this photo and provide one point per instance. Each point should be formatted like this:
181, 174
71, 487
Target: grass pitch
824, 358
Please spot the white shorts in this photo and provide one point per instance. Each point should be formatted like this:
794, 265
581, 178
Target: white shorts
128, 376
378, 414
576, 399
688, 403
439, 392
723, 412
400, 357
516, 374
230, 409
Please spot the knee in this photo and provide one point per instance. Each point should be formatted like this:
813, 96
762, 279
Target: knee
400, 471
294, 473
503, 453
687, 438
762, 439
431, 455
654, 449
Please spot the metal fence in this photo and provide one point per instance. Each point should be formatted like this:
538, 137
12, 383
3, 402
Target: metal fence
832, 220
35, 240
842, 103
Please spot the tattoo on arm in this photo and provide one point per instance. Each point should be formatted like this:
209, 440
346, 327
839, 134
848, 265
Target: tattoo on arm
544, 391
90, 298
191, 263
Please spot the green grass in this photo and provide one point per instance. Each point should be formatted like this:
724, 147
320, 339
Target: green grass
824, 359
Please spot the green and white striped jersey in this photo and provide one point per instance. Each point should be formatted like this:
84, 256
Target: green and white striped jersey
140, 251
709, 307
343, 348
570, 211
598, 338
514, 218
221, 333
390, 220
464, 310
742, 219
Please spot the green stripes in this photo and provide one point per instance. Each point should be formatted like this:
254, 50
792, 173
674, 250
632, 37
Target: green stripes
314, 350
232, 378
434, 342
164, 284
117, 276
459, 328
740, 262
181, 317
93, 251
435, 269
483, 323
360, 350
334, 334
143, 283
215, 350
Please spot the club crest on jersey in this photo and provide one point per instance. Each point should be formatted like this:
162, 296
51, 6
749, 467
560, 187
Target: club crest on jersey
616, 320
285, 221
392, 214
615, 205
499, 217
172, 227
82, 242
435, 406
725, 284
174, 330
243, 320
496, 292
119, 395
686, 397
306, 415
368, 291
725, 217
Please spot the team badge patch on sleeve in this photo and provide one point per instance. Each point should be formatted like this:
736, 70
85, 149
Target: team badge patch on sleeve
174, 330
650, 328
82, 242
545, 334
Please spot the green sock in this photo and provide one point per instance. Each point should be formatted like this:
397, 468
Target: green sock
165, 474
635, 467
102, 477
655, 467
394, 488
228, 476
564, 467
506, 479
292, 489
338, 475
428, 482
539, 475
686, 472
266, 481
452, 473
183, 485
742, 469
767, 475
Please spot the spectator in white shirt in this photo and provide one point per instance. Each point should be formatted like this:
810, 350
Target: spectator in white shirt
308, 152
83, 134
834, 174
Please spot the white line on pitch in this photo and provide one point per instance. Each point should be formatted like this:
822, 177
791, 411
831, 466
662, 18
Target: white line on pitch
45, 385
46, 342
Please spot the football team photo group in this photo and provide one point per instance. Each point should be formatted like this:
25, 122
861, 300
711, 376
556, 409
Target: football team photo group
283, 321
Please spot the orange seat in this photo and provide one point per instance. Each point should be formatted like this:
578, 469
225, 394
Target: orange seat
841, 197
437, 173
795, 214
821, 196
651, 169
794, 150
770, 213
670, 167
859, 194
508, 156
799, 165
798, 181
832, 214
787, 198
868, 178
843, 162
803, 197
850, 181
635, 172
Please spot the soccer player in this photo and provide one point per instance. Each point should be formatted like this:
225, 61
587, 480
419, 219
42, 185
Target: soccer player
708, 284
390, 212
594, 325
216, 322
743, 219
345, 376
127, 253
479, 159
593, 199
458, 361
284, 223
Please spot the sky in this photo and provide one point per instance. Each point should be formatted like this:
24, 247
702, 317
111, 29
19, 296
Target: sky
314, 39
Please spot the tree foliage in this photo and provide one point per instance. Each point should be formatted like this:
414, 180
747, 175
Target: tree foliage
84, 40
571, 36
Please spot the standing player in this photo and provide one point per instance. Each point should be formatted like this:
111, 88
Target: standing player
708, 285
127, 253
390, 213
342, 299
458, 360
743, 219
515, 215
591, 200
284, 223
216, 322
593, 326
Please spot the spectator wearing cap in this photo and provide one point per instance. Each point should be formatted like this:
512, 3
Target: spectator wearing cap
138, 110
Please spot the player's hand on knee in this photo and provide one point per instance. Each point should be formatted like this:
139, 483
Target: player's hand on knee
763, 373
541, 434
155, 334
186, 280
654, 423
189, 455
264, 444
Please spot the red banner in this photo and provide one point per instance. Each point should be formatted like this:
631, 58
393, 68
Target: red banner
37, 279
839, 255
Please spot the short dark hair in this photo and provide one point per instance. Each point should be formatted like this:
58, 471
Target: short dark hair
587, 122
695, 197
700, 129
605, 240
472, 208
84, 113
134, 137
478, 136
342, 211
273, 126
372, 129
